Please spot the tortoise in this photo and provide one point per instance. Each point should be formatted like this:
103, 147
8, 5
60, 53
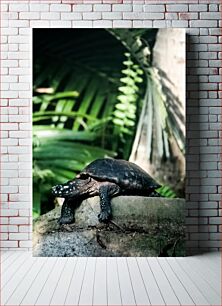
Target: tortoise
107, 178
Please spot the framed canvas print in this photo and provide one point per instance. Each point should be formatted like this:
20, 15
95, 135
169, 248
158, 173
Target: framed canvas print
108, 142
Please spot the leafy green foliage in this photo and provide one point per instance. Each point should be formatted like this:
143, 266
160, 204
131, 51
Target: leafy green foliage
64, 142
163, 121
86, 105
58, 157
167, 192
124, 115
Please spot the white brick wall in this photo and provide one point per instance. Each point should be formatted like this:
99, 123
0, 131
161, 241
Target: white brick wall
200, 17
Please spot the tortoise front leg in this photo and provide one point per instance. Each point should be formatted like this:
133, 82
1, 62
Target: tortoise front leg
67, 212
105, 204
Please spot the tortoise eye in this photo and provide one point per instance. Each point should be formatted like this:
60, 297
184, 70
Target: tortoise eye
69, 183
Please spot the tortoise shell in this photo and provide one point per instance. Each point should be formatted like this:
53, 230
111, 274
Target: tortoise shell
125, 174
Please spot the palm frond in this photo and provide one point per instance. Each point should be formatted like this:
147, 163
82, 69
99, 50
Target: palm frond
163, 121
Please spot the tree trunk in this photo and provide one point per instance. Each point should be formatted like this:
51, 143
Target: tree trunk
169, 58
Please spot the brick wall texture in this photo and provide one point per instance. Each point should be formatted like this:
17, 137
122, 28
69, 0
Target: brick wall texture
202, 22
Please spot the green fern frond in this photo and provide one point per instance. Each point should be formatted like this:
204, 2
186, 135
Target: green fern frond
124, 114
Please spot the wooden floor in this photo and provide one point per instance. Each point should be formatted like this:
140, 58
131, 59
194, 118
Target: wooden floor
26, 280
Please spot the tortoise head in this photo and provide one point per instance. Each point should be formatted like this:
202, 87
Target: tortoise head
73, 188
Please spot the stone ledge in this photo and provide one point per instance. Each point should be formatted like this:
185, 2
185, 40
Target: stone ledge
136, 221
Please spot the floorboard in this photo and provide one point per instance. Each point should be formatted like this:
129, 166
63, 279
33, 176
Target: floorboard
86, 294
188, 282
212, 260
18, 278
126, 289
5, 255
168, 292
138, 285
100, 282
113, 284
28, 280
10, 261
76, 282
207, 291
48, 290
182, 295
38, 284
14, 269
152, 287
63, 285
206, 273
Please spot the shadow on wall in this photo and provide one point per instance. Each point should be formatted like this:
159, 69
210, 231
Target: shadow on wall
193, 170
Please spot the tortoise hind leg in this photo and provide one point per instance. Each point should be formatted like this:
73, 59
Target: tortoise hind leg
105, 204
